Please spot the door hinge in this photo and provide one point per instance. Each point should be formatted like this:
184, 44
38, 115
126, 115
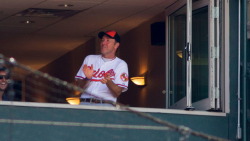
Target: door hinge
215, 12
214, 52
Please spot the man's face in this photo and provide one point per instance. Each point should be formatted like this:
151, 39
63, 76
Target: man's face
108, 46
3, 80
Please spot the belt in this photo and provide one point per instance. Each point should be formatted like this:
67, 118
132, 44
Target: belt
93, 100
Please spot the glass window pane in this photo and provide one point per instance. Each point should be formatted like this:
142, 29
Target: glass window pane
199, 55
177, 63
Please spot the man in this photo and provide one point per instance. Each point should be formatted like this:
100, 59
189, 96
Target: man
4, 76
104, 77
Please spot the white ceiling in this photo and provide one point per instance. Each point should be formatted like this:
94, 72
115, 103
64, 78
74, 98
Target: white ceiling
49, 37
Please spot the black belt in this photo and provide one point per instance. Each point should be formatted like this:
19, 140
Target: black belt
93, 100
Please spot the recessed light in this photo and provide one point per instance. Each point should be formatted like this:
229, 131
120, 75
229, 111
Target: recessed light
27, 22
65, 5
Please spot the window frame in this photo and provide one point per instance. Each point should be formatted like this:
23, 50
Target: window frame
224, 57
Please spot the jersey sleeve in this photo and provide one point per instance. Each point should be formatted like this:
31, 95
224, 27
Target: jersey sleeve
122, 76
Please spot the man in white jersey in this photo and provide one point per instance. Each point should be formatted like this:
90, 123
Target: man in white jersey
104, 77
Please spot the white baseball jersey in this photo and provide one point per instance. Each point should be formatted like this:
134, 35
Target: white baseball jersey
118, 70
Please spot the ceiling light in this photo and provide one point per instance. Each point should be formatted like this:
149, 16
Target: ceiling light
27, 22
65, 5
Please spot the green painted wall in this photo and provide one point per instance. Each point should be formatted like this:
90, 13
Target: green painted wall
213, 125
233, 68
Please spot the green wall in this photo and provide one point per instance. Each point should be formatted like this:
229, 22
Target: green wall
233, 68
65, 125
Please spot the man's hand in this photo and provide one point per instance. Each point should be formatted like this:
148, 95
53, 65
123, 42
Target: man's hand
88, 71
106, 78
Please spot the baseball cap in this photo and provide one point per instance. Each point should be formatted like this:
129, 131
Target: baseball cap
111, 34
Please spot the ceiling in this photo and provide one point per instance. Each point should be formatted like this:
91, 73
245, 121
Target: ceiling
36, 32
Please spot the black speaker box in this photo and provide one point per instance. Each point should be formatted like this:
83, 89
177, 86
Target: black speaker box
158, 34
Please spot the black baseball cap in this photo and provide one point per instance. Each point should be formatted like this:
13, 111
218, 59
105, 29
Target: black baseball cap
111, 34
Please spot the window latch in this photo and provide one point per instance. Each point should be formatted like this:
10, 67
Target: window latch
188, 52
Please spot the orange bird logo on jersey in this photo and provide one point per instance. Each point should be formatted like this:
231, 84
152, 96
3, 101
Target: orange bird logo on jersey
124, 77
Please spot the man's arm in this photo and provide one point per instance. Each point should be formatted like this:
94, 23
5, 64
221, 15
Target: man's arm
83, 83
116, 90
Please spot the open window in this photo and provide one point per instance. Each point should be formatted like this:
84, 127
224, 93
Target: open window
194, 58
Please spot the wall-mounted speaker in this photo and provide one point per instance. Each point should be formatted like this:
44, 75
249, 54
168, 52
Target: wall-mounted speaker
158, 34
